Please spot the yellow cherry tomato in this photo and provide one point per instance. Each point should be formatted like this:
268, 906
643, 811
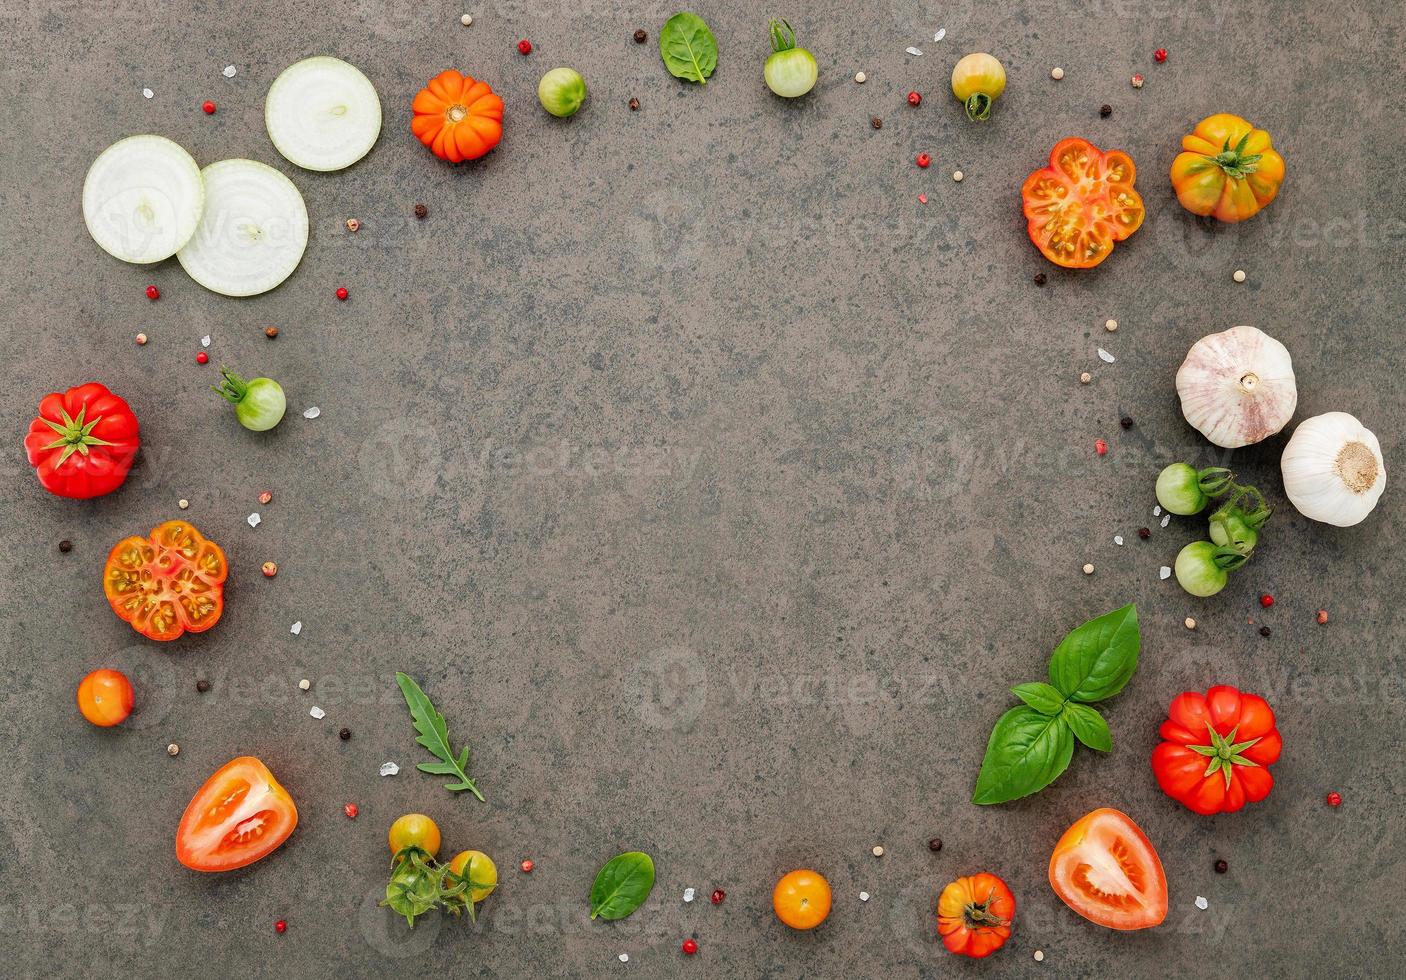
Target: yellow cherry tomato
416, 829
1228, 169
802, 899
977, 80
482, 874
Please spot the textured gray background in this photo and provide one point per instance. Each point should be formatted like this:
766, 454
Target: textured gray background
713, 486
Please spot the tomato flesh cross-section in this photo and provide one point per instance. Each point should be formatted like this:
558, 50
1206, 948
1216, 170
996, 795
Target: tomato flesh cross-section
240, 815
1106, 869
168, 583
1082, 203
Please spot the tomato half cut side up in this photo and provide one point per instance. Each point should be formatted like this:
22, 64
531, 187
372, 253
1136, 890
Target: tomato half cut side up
1083, 202
1106, 869
168, 583
240, 815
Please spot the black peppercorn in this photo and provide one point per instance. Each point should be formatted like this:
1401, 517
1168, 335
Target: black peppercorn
1040, 279
935, 844
1126, 422
202, 685
1222, 867
1144, 533
344, 734
876, 122
65, 545
1264, 631
634, 104
421, 211
641, 36
1105, 110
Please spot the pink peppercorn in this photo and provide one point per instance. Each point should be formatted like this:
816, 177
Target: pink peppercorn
718, 896
153, 293
690, 947
1335, 799
923, 160
524, 46
526, 866
1160, 55
209, 108
342, 292
914, 98
280, 927
1266, 600
351, 811
201, 357
1101, 447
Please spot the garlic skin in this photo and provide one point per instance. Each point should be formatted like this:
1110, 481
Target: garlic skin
1237, 387
1333, 469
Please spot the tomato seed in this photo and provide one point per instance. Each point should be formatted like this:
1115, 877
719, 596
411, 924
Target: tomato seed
690, 947
209, 107
280, 927
1266, 600
351, 811
1222, 867
718, 896
1335, 799
342, 292
524, 46
201, 357
526, 866
914, 98
153, 293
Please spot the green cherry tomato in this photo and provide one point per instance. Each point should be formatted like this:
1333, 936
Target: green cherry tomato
790, 72
1184, 491
561, 91
259, 404
1234, 527
1203, 568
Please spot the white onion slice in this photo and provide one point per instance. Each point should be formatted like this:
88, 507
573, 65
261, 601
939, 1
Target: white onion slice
322, 114
142, 199
253, 232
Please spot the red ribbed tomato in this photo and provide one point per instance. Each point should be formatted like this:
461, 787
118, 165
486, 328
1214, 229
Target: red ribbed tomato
1217, 750
83, 442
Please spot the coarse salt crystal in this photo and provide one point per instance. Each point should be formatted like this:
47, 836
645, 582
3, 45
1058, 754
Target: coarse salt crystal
1106, 357
389, 769
688, 894
230, 71
312, 413
1117, 539
205, 341
624, 957
1164, 573
148, 93
296, 628
914, 52
1166, 519
1201, 902
317, 713
1157, 511
254, 519
941, 33
864, 896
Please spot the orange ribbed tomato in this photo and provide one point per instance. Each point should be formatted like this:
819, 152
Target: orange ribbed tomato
457, 117
168, 583
974, 915
1228, 169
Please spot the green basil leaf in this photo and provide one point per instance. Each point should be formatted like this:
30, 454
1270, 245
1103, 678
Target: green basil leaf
688, 48
1026, 752
1088, 726
622, 885
1040, 696
1095, 660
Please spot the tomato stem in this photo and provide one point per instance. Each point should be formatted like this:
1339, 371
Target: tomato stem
783, 37
979, 106
1236, 163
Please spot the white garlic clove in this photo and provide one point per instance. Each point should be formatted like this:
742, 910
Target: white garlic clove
1333, 469
1237, 387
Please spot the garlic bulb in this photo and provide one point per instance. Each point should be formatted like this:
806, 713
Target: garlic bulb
1237, 387
1333, 469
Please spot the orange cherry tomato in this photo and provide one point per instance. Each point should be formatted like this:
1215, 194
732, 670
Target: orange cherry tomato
240, 815
974, 915
1228, 169
802, 899
1106, 869
1081, 204
457, 117
414, 829
105, 697
168, 583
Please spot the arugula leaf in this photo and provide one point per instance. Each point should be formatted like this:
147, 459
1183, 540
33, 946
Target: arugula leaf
1026, 752
1088, 726
1095, 660
688, 48
1040, 696
434, 735
622, 885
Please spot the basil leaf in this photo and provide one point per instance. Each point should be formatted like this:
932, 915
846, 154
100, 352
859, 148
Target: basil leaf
1026, 752
688, 48
622, 885
1088, 726
1095, 660
1040, 696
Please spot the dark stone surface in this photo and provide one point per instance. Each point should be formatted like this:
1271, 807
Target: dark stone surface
714, 487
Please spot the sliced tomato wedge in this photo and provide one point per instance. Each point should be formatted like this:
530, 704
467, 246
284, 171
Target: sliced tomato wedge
1106, 869
1083, 202
240, 815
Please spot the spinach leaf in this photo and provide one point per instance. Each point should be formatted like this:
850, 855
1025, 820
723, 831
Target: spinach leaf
1088, 726
688, 48
1040, 696
1095, 660
622, 885
1026, 752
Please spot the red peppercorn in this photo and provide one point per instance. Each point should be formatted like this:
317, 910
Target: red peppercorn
1335, 799
1101, 447
201, 357
923, 160
914, 98
351, 811
1322, 616
526, 866
1160, 54
718, 896
209, 108
524, 46
1266, 600
153, 293
342, 292
280, 927
690, 947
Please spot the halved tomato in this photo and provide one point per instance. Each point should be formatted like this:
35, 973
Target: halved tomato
240, 815
168, 583
1083, 202
1106, 869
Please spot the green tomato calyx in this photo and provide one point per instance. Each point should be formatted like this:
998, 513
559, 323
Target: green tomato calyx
233, 388
1236, 163
74, 434
1225, 753
783, 36
979, 106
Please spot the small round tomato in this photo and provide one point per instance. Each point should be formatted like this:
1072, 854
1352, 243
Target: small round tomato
801, 899
240, 815
977, 80
482, 873
105, 697
1106, 869
1228, 169
1081, 204
1217, 749
168, 583
414, 830
974, 915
